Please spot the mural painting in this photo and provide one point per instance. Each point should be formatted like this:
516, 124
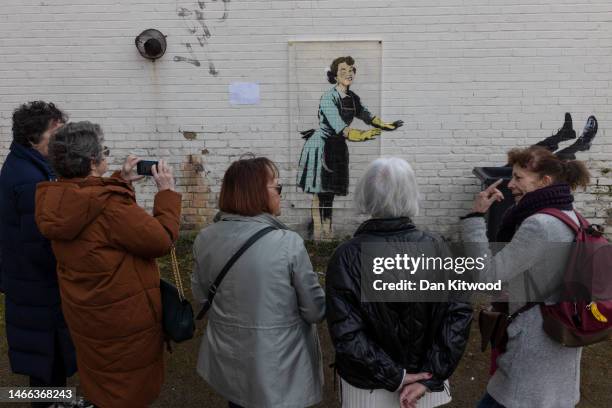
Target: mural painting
323, 168
567, 132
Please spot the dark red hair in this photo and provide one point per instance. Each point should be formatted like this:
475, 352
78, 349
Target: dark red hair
244, 190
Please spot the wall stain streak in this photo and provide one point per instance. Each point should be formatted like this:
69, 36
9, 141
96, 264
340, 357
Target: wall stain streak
183, 12
191, 61
200, 18
211, 69
226, 10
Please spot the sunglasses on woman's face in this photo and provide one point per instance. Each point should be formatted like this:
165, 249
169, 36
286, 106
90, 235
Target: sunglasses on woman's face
105, 151
278, 188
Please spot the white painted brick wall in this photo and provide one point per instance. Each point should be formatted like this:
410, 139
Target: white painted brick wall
471, 79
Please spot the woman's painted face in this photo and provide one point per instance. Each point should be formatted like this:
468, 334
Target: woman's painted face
274, 197
525, 181
346, 74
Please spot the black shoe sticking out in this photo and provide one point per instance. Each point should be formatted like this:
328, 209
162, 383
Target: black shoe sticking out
565, 133
583, 143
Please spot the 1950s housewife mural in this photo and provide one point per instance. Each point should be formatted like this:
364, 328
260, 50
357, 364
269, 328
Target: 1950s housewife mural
323, 168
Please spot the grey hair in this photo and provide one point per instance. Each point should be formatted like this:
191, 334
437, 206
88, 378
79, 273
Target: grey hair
73, 147
388, 189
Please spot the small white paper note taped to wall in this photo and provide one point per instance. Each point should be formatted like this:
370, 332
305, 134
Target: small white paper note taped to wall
244, 93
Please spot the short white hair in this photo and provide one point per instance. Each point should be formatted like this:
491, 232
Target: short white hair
388, 189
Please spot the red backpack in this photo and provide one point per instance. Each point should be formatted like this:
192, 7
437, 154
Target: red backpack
588, 279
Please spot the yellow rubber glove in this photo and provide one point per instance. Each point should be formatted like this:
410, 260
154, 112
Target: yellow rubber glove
356, 135
378, 122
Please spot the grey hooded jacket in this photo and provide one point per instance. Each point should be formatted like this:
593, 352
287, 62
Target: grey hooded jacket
260, 348
535, 371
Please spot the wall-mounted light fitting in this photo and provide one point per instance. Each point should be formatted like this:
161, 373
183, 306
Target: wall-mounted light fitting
151, 44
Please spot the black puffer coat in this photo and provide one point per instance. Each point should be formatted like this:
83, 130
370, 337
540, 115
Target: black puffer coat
375, 342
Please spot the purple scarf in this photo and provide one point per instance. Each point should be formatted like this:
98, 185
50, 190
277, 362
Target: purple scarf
555, 196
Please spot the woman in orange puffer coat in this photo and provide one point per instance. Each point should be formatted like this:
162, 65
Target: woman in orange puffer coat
106, 245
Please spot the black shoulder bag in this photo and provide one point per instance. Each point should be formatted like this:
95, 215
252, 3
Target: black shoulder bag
212, 290
177, 314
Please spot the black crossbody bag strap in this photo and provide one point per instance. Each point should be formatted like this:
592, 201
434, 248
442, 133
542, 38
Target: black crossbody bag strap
213, 288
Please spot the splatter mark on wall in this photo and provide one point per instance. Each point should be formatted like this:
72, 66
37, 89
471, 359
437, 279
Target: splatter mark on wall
323, 168
225, 10
211, 69
183, 12
193, 60
199, 15
199, 21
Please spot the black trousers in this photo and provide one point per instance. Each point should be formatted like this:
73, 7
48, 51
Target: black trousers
232, 405
326, 205
58, 375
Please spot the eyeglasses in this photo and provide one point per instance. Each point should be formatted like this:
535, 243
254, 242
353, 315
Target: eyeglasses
105, 151
278, 188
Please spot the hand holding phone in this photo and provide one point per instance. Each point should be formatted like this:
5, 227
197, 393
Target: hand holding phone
144, 167
127, 170
162, 173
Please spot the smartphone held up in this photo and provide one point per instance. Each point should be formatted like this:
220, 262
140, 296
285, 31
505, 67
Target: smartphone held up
143, 167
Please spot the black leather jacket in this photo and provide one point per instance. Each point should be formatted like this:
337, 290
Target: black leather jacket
375, 342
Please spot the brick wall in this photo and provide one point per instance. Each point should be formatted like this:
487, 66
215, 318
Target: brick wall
471, 78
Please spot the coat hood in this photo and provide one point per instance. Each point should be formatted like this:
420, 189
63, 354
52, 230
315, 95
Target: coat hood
34, 157
65, 207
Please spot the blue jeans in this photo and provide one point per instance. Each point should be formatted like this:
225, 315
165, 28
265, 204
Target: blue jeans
489, 402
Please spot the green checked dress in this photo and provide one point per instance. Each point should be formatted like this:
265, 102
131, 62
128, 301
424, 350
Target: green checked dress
323, 165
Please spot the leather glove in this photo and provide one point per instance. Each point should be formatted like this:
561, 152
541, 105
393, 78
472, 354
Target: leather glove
356, 135
378, 122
